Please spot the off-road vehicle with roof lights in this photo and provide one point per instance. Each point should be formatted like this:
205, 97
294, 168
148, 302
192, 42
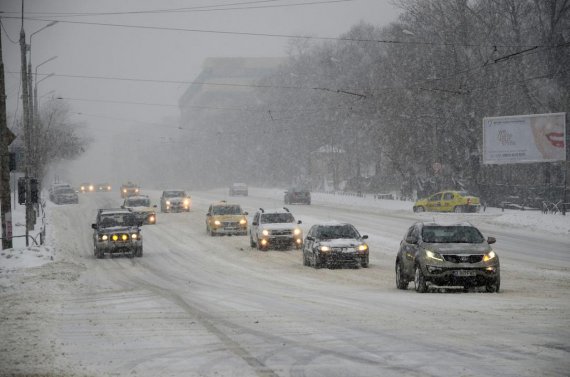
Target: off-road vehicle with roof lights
275, 228
117, 231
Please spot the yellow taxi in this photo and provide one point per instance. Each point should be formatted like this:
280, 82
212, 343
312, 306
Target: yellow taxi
448, 201
226, 218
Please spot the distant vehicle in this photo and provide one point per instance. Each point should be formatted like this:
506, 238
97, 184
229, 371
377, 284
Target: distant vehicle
63, 193
87, 187
175, 201
117, 231
449, 201
296, 195
238, 189
129, 189
140, 205
226, 218
103, 187
335, 244
447, 255
275, 228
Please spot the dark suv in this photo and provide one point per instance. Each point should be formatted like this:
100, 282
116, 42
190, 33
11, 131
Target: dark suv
447, 255
296, 195
117, 231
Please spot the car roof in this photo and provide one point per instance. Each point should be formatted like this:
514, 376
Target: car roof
110, 211
443, 223
332, 223
264, 211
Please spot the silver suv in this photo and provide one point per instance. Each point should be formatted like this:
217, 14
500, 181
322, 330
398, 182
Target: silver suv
275, 228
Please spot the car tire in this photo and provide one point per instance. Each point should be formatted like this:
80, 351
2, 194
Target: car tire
458, 209
364, 262
494, 286
99, 254
401, 282
419, 209
305, 259
139, 252
251, 243
317, 261
419, 280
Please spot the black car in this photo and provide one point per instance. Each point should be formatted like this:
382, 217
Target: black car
447, 255
335, 244
297, 195
117, 231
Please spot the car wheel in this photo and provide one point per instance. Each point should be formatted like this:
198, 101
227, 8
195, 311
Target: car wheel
98, 254
401, 282
139, 252
364, 262
419, 280
305, 259
419, 209
494, 286
317, 261
458, 209
251, 243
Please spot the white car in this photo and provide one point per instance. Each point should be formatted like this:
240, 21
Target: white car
275, 228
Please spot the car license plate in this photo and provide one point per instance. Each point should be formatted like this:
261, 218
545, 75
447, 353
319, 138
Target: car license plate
464, 273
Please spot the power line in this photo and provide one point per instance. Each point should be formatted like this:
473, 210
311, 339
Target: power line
271, 35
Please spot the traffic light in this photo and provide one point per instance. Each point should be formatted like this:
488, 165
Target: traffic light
34, 190
22, 190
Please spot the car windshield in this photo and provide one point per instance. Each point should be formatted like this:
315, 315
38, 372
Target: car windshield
337, 231
451, 234
138, 202
270, 218
117, 219
65, 190
174, 194
227, 210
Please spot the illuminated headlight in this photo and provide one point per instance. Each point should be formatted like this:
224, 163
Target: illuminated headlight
125, 191
124, 237
83, 188
363, 247
91, 188
109, 188
134, 236
151, 219
490, 255
242, 222
115, 237
297, 231
435, 256
263, 242
324, 249
186, 202
168, 202
298, 240
217, 222
104, 237
265, 232
136, 190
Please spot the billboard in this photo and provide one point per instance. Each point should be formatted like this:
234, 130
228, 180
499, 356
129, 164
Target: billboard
524, 138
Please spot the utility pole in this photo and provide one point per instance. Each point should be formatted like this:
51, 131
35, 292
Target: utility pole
5, 205
26, 112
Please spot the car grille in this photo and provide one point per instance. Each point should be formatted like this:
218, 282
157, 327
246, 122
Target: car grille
230, 224
281, 232
463, 258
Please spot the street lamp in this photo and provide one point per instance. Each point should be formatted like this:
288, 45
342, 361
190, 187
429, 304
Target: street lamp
37, 82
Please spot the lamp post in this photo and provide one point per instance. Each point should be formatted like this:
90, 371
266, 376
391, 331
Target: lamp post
37, 82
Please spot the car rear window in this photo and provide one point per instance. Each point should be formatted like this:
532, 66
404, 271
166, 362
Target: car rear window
451, 234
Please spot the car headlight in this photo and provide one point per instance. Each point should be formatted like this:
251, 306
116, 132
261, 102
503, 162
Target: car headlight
243, 222
109, 188
363, 247
82, 187
168, 202
151, 218
217, 222
136, 190
104, 237
115, 237
490, 255
186, 202
134, 236
324, 249
265, 232
297, 231
125, 191
432, 255
91, 188
124, 237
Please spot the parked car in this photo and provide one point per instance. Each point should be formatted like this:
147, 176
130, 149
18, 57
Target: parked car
103, 187
63, 193
449, 201
175, 201
275, 228
140, 205
447, 255
117, 231
226, 218
296, 195
87, 187
129, 189
238, 189
334, 244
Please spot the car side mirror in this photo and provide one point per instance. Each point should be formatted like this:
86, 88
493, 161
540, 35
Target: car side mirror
491, 240
245, 213
412, 240
140, 223
154, 206
299, 222
254, 223
365, 237
123, 207
208, 214
310, 238
94, 226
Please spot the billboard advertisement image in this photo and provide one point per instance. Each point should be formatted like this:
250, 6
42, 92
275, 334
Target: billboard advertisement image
524, 138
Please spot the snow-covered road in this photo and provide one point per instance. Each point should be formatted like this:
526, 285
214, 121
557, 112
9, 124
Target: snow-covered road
196, 305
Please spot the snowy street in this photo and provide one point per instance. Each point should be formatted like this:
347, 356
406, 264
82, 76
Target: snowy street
196, 305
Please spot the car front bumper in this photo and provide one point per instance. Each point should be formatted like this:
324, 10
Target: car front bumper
118, 246
280, 241
461, 276
339, 258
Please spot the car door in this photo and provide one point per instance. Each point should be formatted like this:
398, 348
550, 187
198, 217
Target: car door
434, 202
308, 244
447, 201
409, 250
